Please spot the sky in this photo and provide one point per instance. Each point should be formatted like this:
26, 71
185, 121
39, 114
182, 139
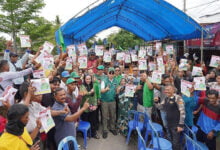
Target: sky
66, 9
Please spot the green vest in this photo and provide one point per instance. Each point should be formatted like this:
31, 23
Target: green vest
118, 78
92, 98
109, 96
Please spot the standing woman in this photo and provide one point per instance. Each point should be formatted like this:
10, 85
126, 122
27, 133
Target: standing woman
90, 114
124, 105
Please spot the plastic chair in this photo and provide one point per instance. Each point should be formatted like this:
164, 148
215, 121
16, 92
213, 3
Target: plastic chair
84, 127
133, 123
192, 144
141, 142
158, 142
202, 146
64, 144
157, 128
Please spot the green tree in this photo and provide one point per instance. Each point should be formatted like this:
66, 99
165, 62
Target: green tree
14, 13
124, 39
39, 30
2, 43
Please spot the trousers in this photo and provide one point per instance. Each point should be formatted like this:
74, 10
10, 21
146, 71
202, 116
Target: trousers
108, 113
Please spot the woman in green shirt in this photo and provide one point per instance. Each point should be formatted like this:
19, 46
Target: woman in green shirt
87, 88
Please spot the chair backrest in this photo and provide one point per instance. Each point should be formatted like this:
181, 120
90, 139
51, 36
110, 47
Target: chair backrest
133, 115
189, 131
141, 142
143, 117
154, 133
64, 144
191, 144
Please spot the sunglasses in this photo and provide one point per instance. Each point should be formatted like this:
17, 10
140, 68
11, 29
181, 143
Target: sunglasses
111, 72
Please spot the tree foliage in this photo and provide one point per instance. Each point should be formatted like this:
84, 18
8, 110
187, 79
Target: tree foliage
40, 30
14, 13
2, 43
124, 39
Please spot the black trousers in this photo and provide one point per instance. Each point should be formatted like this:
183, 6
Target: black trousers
202, 137
174, 137
91, 118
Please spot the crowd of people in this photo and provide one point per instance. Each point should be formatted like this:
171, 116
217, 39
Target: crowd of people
97, 94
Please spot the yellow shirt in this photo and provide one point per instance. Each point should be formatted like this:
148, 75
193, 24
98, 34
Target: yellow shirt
12, 142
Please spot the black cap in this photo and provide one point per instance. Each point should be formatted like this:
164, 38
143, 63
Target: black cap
13, 54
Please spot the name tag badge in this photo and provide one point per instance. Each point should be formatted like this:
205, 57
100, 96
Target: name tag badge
171, 102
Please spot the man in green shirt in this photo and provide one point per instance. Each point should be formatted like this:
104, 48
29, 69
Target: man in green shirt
108, 94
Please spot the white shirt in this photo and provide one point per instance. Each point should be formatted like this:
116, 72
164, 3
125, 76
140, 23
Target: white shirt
6, 78
18, 64
63, 85
34, 110
103, 84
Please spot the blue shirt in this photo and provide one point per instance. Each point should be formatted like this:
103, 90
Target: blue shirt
190, 104
63, 128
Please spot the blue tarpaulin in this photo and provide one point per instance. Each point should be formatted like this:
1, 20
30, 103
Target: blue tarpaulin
149, 19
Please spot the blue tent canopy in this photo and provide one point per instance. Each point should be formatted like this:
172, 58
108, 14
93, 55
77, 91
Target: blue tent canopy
148, 19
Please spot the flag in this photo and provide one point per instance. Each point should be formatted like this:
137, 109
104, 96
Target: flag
94, 44
62, 44
120, 48
105, 42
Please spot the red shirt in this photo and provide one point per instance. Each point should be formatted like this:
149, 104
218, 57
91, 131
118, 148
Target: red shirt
92, 64
3, 122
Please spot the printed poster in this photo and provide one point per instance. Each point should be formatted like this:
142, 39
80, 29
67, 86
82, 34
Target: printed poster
215, 61
149, 51
107, 57
134, 57
142, 64
127, 58
183, 65
152, 66
9, 94
120, 56
99, 50
158, 46
197, 71
46, 120
185, 87
40, 58
25, 41
69, 64
42, 86
82, 62
199, 83
71, 50
156, 77
130, 90
169, 49
162, 69
82, 49
48, 47
160, 61
48, 63
38, 74
142, 53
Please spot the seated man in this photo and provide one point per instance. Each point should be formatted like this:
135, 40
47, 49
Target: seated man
64, 124
209, 119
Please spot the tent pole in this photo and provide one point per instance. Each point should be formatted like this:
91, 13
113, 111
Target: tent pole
201, 46
184, 42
